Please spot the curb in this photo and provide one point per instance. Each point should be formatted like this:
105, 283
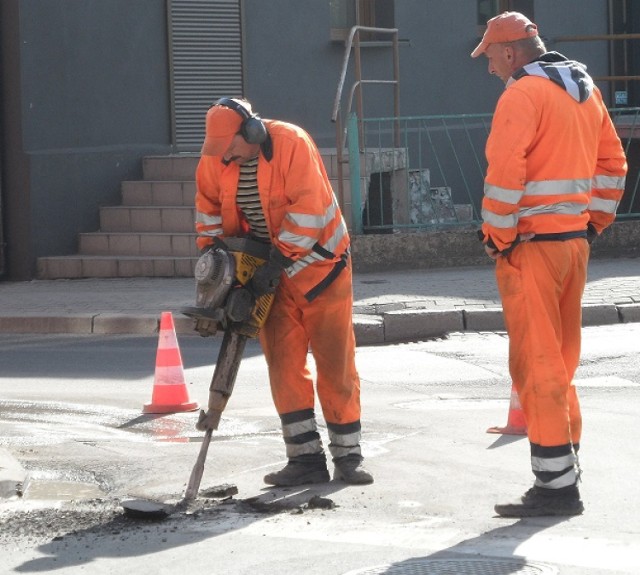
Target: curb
396, 323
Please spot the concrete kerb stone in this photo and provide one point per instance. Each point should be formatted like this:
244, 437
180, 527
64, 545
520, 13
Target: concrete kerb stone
411, 324
484, 319
629, 312
492, 319
44, 323
119, 323
368, 329
599, 314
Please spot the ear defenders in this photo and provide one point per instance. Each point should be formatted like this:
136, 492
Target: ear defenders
252, 128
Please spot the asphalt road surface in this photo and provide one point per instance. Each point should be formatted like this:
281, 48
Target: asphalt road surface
71, 414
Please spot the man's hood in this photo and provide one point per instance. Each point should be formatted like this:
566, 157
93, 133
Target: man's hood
570, 75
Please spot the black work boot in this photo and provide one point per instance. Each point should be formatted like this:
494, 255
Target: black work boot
299, 471
351, 470
540, 502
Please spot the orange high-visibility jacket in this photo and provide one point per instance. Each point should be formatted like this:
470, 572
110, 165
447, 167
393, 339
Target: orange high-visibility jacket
302, 214
556, 163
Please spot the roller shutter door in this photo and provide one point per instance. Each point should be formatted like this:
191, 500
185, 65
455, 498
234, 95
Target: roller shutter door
206, 63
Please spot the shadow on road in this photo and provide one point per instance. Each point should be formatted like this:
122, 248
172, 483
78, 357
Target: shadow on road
471, 555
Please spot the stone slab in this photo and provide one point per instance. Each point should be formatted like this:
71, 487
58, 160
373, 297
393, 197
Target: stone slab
407, 325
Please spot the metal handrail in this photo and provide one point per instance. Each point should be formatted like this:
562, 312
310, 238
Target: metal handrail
450, 147
356, 89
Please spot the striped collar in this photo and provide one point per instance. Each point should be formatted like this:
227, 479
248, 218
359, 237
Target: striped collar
570, 75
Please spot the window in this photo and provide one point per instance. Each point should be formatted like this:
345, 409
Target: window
348, 13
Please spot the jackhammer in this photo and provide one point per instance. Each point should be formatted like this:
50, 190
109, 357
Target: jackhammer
223, 303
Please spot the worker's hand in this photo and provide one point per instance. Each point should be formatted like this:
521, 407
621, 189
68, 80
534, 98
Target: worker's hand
208, 420
494, 254
265, 279
526, 237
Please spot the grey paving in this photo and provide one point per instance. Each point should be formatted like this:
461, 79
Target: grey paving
388, 306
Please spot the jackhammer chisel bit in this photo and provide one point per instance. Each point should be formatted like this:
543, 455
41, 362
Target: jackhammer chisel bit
198, 469
222, 382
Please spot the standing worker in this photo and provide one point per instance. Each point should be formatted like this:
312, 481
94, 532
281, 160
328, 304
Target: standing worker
556, 173
265, 179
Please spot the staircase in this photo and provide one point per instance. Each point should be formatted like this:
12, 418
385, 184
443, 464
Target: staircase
151, 234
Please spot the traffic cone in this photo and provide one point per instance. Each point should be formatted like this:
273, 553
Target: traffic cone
169, 388
516, 424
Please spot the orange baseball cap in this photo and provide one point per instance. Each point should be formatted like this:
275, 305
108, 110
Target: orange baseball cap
505, 27
222, 125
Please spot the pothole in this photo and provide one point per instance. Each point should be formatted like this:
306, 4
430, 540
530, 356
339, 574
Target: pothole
58, 486
61, 490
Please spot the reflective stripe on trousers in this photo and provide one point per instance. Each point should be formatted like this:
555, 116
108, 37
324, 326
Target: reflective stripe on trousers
555, 467
301, 437
344, 439
300, 433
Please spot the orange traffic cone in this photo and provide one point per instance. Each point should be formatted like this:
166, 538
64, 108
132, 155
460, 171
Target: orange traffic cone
516, 424
169, 388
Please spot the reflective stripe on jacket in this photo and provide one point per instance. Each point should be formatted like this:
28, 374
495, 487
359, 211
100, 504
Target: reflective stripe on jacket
555, 162
300, 208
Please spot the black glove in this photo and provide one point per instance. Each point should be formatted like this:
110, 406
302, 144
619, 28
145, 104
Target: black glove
592, 234
267, 277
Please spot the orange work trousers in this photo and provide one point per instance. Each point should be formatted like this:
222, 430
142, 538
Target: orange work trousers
541, 286
324, 325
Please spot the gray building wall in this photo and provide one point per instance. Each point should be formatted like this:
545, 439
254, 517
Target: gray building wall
90, 93
293, 69
90, 97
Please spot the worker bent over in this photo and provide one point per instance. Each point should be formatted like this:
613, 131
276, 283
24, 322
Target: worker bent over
265, 179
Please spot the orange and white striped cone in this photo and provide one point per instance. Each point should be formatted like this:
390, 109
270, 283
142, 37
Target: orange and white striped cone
516, 424
170, 393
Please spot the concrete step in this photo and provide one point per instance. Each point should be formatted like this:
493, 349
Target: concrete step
172, 168
182, 167
166, 219
138, 244
151, 234
158, 193
78, 266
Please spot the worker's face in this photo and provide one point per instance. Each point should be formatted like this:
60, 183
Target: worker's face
240, 151
501, 60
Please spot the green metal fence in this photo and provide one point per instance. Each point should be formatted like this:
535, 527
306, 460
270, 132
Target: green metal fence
427, 172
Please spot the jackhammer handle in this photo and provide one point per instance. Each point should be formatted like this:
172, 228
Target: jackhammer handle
198, 469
